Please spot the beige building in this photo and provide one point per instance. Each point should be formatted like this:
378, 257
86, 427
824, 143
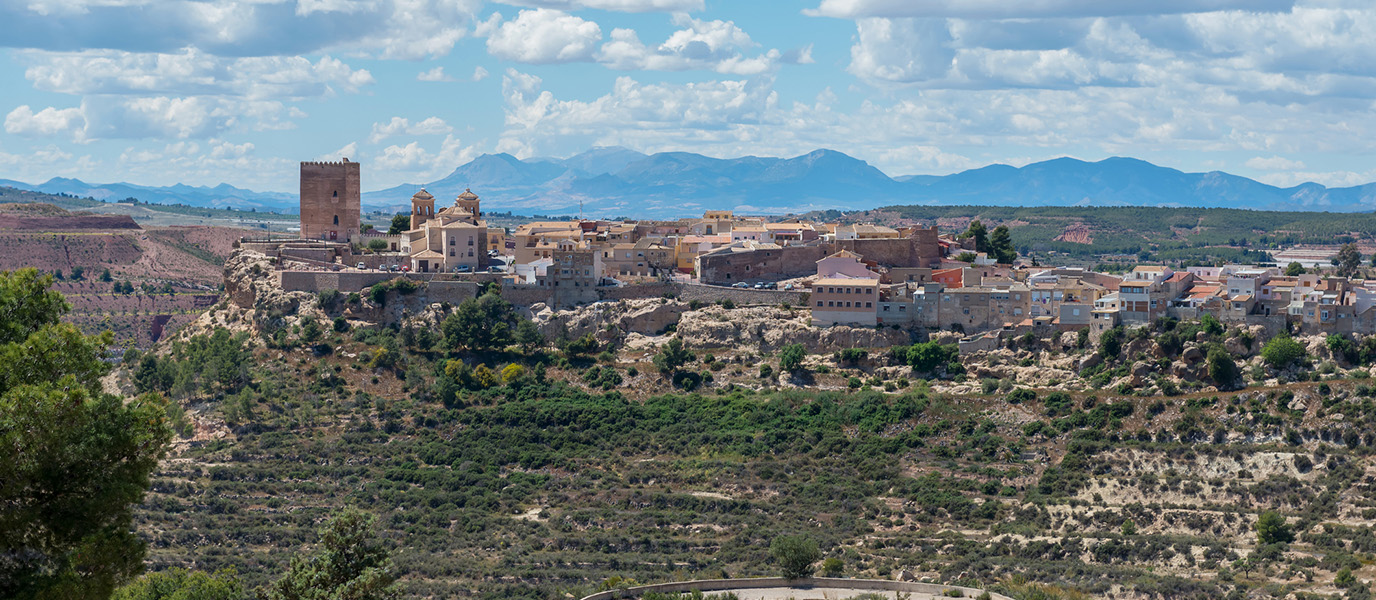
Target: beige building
452, 239
845, 301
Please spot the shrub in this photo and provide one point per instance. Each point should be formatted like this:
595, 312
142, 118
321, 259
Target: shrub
795, 554
1282, 351
791, 358
1021, 395
766, 371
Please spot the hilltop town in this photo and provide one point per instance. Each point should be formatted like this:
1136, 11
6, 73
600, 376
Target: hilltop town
862, 275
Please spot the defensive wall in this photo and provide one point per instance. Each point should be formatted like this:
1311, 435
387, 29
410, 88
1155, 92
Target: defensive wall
921, 250
727, 585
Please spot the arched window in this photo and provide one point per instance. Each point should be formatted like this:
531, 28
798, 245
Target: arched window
451, 240
470, 240
336, 194
336, 219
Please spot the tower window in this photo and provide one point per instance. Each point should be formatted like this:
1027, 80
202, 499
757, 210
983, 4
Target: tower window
336, 219
335, 194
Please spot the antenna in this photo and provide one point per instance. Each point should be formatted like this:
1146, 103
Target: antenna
580, 210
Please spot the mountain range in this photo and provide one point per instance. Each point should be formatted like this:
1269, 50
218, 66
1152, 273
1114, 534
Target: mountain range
614, 181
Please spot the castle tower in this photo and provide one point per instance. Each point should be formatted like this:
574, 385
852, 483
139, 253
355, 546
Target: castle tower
330, 204
422, 208
468, 203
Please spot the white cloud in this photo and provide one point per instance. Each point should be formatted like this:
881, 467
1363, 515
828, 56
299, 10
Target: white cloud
544, 36
1274, 163
399, 125
479, 73
46, 122
414, 161
901, 50
1025, 9
633, 6
348, 150
435, 74
707, 45
407, 29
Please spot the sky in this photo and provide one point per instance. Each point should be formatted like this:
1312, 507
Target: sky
158, 92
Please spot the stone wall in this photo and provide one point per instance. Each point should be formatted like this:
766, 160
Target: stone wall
344, 281
726, 585
760, 265
741, 297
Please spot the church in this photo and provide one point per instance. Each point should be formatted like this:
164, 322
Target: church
451, 240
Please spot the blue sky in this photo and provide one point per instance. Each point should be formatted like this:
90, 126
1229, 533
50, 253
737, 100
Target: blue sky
164, 91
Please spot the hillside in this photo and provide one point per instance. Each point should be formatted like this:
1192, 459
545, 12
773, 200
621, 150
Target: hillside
173, 273
539, 472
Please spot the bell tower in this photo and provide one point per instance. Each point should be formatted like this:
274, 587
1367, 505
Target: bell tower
422, 208
468, 203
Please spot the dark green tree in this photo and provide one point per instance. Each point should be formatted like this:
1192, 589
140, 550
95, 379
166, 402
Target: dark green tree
484, 323
980, 234
1222, 369
1001, 246
377, 245
791, 357
672, 356
347, 565
1111, 343
1295, 269
528, 336
1272, 529
927, 357
74, 460
795, 554
400, 223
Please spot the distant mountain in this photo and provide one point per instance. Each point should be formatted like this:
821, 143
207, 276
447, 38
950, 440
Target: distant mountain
220, 196
615, 181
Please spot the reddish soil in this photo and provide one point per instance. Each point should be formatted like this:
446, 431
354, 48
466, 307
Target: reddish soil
72, 223
1076, 234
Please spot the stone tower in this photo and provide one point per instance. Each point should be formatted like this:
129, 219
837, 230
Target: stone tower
422, 208
330, 205
468, 203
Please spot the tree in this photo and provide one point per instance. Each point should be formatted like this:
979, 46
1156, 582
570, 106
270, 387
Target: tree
1296, 269
980, 234
791, 357
348, 565
74, 460
1111, 343
400, 223
1282, 351
377, 245
480, 324
1212, 325
1222, 369
1001, 246
528, 336
181, 584
1348, 260
966, 257
105, 276
671, 356
1271, 529
795, 554
927, 357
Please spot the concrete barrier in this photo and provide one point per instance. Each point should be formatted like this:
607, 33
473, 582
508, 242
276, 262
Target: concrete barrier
727, 585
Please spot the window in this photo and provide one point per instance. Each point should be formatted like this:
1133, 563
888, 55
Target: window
335, 194
819, 303
831, 304
868, 304
902, 308
451, 240
869, 290
451, 252
336, 219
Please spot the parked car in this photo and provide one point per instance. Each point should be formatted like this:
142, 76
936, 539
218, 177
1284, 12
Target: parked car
361, 267
771, 286
463, 269
759, 285
406, 269
788, 286
740, 284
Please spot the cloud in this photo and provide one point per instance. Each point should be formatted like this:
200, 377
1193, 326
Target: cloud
633, 6
1274, 163
348, 150
435, 74
706, 45
414, 160
479, 73
545, 36
191, 72
46, 122
901, 50
407, 29
1031, 9
399, 125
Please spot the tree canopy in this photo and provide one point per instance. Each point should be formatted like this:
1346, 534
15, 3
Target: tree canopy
400, 223
74, 460
348, 565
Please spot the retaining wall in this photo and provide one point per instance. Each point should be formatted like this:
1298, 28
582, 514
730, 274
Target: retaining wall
739, 296
726, 585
